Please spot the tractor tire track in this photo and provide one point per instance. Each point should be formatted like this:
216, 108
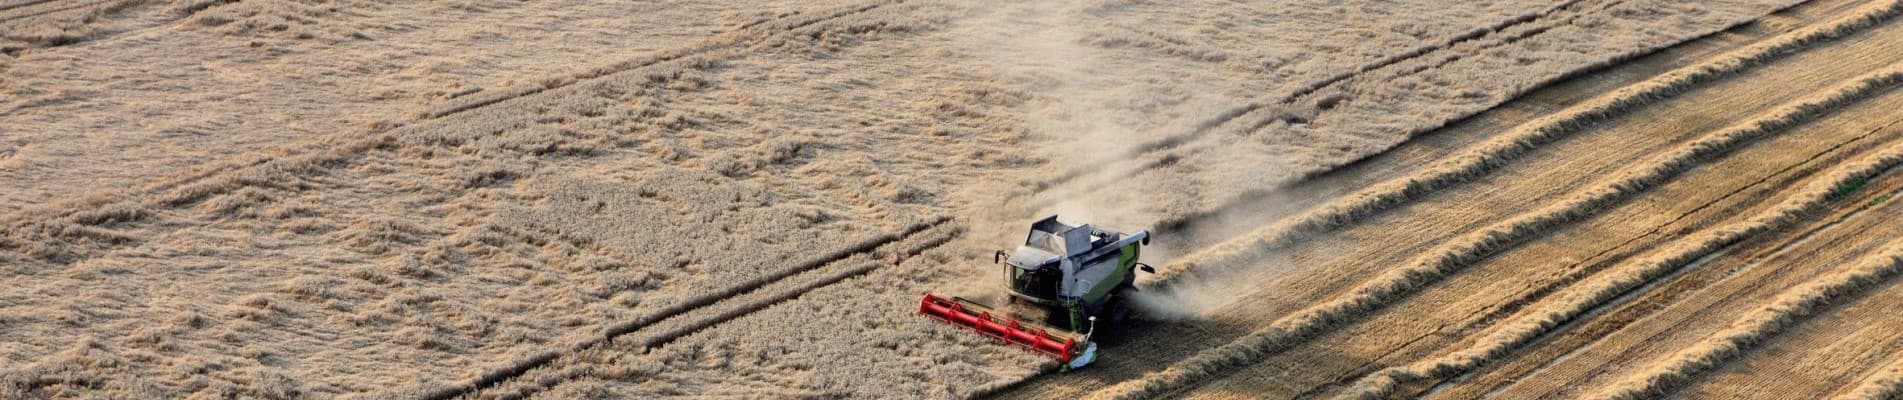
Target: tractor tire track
664, 326
864, 246
761, 298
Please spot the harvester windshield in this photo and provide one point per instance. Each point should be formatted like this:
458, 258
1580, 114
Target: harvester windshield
1040, 283
1035, 273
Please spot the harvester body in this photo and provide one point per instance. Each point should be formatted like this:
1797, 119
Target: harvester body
1079, 270
1062, 281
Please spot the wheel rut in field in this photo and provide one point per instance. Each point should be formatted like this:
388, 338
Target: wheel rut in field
665, 325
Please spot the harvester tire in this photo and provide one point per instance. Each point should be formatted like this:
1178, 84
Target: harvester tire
1119, 310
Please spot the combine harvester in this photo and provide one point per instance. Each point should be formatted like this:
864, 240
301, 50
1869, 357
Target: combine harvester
1060, 281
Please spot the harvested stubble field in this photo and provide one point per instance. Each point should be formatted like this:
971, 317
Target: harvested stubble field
562, 199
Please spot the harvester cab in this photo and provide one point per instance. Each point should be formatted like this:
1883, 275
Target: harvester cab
1062, 282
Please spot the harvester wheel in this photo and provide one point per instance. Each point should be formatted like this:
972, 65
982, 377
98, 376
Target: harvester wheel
1119, 311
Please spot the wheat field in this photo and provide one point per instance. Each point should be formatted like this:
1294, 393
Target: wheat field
487, 199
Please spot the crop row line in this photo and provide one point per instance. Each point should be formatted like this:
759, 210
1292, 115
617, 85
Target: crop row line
1580, 270
1886, 383
1601, 293
1522, 140
1492, 155
1788, 309
1473, 247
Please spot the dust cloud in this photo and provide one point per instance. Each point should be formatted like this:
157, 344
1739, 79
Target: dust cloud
1090, 111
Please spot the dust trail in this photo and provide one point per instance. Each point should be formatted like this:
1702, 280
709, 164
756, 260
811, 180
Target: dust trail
1087, 107
1098, 110
1188, 300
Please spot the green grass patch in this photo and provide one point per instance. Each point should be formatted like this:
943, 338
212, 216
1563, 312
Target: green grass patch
1879, 200
1848, 188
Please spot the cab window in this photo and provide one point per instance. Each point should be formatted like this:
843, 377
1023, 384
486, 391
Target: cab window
1040, 283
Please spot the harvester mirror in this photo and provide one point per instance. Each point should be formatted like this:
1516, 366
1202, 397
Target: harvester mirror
1146, 268
996, 257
